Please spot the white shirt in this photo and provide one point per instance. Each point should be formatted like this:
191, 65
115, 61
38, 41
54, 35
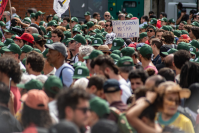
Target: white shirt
53, 111
142, 24
126, 91
8, 25
67, 74
52, 72
14, 14
22, 67
75, 58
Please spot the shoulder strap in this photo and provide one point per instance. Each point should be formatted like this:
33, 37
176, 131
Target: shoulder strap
60, 76
115, 111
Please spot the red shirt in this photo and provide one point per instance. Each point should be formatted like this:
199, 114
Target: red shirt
31, 129
147, 42
17, 103
158, 24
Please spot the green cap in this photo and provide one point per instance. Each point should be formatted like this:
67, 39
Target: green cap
117, 43
196, 60
12, 48
39, 13
145, 50
98, 35
9, 30
53, 81
78, 25
66, 42
55, 18
32, 84
49, 41
184, 32
26, 49
184, 22
183, 46
97, 42
37, 50
115, 57
177, 33
153, 21
81, 72
87, 13
165, 27
43, 29
8, 41
128, 51
192, 50
52, 23
164, 19
1, 44
195, 43
84, 26
36, 36
93, 54
2, 24
172, 20
75, 19
89, 24
13, 36
129, 15
48, 34
79, 38
153, 27
79, 63
45, 53
67, 35
32, 15
118, 52
99, 106
142, 35
41, 23
104, 34
103, 30
76, 29
125, 61
97, 31
197, 54
27, 19
170, 51
195, 24
144, 26
170, 27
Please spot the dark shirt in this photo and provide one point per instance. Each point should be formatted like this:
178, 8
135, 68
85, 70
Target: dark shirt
161, 65
156, 60
85, 21
119, 105
8, 123
185, 17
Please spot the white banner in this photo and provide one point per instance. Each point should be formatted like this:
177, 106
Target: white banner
126, 28
60, 6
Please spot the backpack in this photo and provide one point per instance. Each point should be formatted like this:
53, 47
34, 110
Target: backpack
122, 121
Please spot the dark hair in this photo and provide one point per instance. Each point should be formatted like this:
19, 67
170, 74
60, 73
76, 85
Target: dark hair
195, 31
147, 56
41, 118
188, 27
180, 57
36, 61
149, 112
138, 73
145, 18
4, 93
130, 99
41, 42
128, 41
151, 12
167, 73
159, 30
59, 33
104, 61
67, 19
56, 90
152, 16
31, 10
11, 68
80, 22
110, 22
97, 81
164, 14
126, 69
168, 37
189, 74
157, 42
120, 16
95, 14
180, 5
70, 98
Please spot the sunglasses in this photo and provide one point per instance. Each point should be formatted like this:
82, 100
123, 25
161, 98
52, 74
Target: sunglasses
107, 25
84, 110
107, 15
106, 53
149, 30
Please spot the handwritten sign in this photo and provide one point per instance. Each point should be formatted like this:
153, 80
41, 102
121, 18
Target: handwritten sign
126, 28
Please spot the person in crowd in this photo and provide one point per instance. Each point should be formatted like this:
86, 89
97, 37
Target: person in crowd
150, 33
154, 81
159, 33
183, 16
121, 16
167, 73
87, 16
31, 30
194, 33
96, 16
39, 17
155, 45
168, 39
39, 42
6, 18
129, 51
144, 20
107, 16
57, 35
24, 39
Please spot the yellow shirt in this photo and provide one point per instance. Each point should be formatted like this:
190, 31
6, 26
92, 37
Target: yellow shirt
179, 121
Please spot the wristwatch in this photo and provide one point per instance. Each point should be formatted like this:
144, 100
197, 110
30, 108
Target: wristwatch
147, 101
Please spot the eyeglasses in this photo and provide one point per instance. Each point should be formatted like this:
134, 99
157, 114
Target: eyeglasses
106, 53
107, 25
84, 110
149, 30
107, 15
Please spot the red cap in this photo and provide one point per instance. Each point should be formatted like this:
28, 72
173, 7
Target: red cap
133, 45
185, 36
27, 37
36, 99
133, 18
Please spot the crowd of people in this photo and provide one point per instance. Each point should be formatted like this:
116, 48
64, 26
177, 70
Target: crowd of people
62, 75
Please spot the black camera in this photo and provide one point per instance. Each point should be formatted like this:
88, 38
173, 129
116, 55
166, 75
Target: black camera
18, 30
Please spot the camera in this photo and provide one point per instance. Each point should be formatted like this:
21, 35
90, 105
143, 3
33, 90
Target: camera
18, 30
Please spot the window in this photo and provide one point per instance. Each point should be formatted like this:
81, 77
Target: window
130, 4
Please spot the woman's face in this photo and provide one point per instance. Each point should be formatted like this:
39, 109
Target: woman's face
170, 103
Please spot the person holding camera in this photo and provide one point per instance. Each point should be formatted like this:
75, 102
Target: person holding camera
183, 17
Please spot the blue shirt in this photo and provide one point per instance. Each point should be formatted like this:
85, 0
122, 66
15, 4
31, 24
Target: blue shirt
156, 60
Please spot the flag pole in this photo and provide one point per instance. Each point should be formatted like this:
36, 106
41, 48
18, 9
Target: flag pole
10, 10
70, 21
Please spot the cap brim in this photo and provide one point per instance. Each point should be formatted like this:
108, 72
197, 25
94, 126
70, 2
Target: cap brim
6, 30
192, 53
165, 53
6, 50
115, 48
49, 46
21, 86
96, 45
19, 38
86, 57
78, 77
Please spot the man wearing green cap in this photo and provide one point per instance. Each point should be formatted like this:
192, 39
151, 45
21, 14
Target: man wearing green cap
129, 16
195, 43
74, 21
39, 17
80, 72
76, 30
153, 22
96, 42
143, 37
163, 21
90, 26
87, 17
99, 110
129, 51
52, 87
118, 44
171, 21
25, 49
14, 51
32, 16
145, 57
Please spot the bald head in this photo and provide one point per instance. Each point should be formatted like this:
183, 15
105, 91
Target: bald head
13, 9
169, 61
154, 81
32, 30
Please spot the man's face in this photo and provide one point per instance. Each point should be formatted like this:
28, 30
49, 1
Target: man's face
150, 32
29, 30
81, 113
65, 23
52, 56
107, 16
98, 17
142, 20
163, 23
55, 38
20, 43
7, 35
73, 45
144, 39
135, 83
41, 17
181, 26
5, 16
161, 16
170, 103
87, 17
159, 35
103, 24
73, 23
99, 71
108, 28
122, 18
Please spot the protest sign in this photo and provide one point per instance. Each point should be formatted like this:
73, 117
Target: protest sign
126, 28
60, 6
